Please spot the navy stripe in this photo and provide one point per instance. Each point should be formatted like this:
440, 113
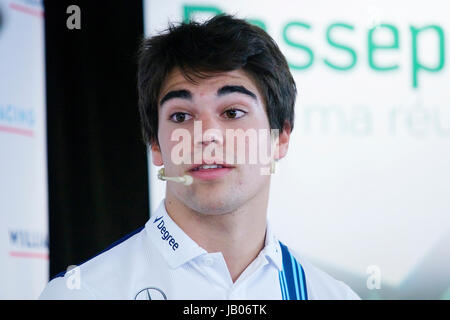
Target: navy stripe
283, 279
287, 268
298, 270
292, 277
296, 278
115, 243
305, 291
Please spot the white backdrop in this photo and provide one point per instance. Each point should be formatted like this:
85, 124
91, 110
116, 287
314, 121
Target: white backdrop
366, 182
23, 164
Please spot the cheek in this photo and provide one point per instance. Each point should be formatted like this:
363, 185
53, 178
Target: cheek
250, 181
165, 144
177, 146
253, 150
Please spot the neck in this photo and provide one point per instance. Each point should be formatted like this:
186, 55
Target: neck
239, 235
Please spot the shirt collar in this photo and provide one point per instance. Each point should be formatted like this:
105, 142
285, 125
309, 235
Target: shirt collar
171, 241
178, 248
272, 249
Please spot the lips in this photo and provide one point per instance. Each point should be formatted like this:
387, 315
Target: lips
209, 166
210, 171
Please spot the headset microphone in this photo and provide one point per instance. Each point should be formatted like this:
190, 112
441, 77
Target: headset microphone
186, 179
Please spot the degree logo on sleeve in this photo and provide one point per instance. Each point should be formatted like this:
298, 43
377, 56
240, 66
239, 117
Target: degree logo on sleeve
166, 236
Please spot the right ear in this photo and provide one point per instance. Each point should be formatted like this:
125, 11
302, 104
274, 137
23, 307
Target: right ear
156, 154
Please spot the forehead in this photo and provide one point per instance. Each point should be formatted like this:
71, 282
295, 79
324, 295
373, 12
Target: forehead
176, 80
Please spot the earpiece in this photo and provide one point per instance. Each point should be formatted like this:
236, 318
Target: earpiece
186, 179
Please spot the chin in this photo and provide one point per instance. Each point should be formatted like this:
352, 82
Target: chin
214, 204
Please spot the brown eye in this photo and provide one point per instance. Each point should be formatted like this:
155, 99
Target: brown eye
234, 113
180, 117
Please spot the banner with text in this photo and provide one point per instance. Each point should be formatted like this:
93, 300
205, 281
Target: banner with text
23, 164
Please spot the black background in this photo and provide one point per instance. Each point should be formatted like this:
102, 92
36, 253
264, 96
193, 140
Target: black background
97, 165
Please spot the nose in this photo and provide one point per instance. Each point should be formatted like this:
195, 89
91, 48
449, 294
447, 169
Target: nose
208, 130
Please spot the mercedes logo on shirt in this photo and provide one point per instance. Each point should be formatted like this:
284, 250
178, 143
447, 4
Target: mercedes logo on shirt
151, 293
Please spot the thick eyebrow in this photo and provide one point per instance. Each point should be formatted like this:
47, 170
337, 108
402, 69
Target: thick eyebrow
183, 94
232, 89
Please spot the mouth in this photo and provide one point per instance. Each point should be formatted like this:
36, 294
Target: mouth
204, 167
210, 171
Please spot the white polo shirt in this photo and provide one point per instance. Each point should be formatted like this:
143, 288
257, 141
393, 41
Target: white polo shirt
160, 261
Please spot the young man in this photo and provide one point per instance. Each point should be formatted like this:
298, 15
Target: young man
209, 238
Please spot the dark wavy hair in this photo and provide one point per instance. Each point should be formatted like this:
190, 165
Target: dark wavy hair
223, 43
